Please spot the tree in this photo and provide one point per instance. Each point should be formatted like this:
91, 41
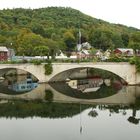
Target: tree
125, 39
135, 37
69, 39
27, 41
61, 45
134, 41
38, 29
41, 50
2, 40
53, 48
93, 113
101, 39
135, 46
3, 26
28, 28
117, 41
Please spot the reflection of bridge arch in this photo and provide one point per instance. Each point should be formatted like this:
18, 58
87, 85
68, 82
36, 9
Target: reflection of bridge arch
123, 70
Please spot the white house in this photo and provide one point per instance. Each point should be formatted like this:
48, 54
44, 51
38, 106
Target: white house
61, 56
124, 51
86, 46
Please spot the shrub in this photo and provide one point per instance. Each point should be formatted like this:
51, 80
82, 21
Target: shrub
48, 68
24, 61
132, 60
48, 95
135, 60
118, 59
36, 62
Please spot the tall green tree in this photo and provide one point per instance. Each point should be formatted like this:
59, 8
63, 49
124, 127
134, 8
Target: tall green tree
53, 47
125, 39
27, 41
101, 39
41, 50
38, 29
134, 41
117, 40
69, 39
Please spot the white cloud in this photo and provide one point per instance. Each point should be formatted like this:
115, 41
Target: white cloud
115, 11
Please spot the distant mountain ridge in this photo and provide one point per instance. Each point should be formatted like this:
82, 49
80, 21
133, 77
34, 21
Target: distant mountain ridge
55, 23
52, 14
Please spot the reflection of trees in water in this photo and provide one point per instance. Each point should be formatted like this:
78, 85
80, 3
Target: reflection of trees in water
23, 109
133, 120
4, 89
22, 77
119, 109
115, 108
135, 107
93, 113
104, 74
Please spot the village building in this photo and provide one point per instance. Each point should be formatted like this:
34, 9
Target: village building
86, 85
3, 53
86, 46
83, 54
61, 55
11, 54
107, 54
99, 54
124, 52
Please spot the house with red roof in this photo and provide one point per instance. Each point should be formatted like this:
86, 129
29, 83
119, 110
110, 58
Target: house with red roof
3, 53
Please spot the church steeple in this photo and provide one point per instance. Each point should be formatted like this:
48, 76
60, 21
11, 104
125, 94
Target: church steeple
79, 41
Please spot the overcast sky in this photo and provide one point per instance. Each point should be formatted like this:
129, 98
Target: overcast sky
125, 12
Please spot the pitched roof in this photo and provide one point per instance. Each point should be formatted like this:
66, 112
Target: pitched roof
3, 49
125, 49
85, 52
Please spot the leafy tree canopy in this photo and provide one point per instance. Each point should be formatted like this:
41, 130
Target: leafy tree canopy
57, 28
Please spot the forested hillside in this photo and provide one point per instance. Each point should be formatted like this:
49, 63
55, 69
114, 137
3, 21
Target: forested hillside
35, 31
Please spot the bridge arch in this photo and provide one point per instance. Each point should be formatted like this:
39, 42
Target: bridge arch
15, 71
36, 70
123, 70
79, 72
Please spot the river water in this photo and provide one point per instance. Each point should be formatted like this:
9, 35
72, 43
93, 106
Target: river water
74, 110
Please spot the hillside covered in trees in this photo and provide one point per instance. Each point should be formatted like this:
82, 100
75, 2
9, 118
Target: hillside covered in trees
46, 30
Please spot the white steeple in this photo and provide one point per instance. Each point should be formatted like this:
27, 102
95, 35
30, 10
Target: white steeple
79, 41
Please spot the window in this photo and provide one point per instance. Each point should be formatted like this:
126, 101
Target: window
2, 53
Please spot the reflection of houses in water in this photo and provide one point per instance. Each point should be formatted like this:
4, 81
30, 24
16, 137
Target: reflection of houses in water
22, 84
1, 79
86, 85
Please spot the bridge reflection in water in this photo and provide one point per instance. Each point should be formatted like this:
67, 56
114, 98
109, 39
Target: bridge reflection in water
126, 95
15, 84
83, 105
91, 86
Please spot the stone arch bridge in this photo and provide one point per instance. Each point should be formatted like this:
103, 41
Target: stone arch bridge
123, 69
